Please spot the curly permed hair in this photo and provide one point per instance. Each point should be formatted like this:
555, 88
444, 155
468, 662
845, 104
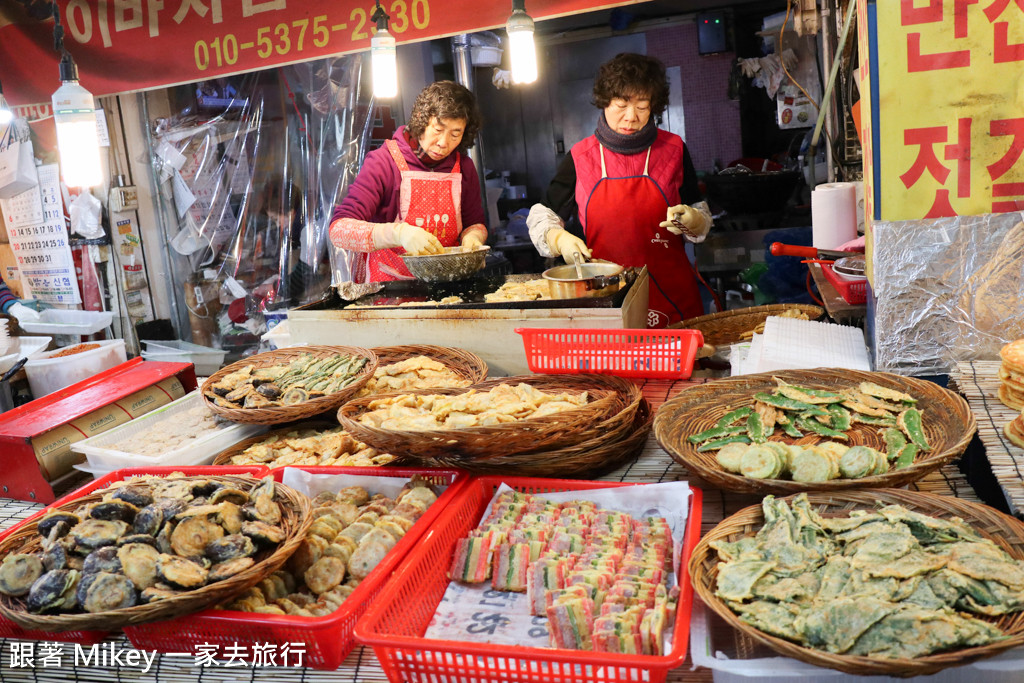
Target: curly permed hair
631, 75
445, 100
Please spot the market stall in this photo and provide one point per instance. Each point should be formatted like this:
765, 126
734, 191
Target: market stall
652, 465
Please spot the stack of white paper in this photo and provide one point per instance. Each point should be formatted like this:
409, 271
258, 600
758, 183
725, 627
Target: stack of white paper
791, 344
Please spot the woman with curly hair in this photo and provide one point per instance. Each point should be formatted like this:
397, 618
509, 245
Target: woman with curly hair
633, 189
419, 192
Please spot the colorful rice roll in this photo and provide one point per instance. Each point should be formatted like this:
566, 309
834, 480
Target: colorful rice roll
570, 623
511, 566
472, 561
546, 574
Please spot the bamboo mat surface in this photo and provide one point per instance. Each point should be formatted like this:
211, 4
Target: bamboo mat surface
652, 465
978, 381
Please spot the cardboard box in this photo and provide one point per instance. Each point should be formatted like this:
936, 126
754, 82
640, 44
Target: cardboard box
36, 438
9, 270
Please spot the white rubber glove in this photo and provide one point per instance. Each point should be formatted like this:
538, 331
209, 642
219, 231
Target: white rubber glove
415, 241
501, 79
23, 313
564, 243
692, 222
471, 241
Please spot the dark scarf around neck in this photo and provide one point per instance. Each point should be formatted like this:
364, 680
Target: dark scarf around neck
626, 144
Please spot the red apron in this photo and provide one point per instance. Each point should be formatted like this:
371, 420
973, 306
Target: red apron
432, 201
621, 225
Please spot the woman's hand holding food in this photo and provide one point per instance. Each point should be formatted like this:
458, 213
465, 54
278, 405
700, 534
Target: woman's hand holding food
472, 239
688, 221
415, 241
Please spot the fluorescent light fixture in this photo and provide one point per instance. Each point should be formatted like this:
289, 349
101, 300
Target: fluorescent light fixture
74, 113
6, 115
523, 52
383, 57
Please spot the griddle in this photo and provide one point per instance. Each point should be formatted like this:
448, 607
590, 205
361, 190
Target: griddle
472, 291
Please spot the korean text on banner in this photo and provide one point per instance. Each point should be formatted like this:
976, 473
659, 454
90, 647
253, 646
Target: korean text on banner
134, 45
961, 153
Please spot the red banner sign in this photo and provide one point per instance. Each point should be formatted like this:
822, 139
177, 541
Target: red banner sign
126, 45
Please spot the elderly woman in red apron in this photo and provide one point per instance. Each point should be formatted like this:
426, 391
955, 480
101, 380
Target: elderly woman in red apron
417, 193
633, 189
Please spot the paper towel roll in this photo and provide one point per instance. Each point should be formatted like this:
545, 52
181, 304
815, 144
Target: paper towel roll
833, 214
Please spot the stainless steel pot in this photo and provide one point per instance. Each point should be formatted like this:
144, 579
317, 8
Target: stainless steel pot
593, 280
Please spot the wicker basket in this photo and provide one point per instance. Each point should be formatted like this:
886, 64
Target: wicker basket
295, 521
609, 396
465, 364
586, 460
727, 327
1002, 529
948, 423
299, 411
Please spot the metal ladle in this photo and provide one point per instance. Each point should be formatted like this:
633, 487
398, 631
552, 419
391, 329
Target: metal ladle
577, 260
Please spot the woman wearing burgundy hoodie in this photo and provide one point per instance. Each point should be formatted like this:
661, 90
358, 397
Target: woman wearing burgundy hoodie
419, 192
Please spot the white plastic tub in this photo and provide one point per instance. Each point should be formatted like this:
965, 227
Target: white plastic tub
101, 458
206, 359
47, 374
59, 321
713, 644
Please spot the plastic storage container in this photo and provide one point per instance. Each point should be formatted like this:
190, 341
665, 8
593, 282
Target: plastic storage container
395, 624
734, 658
47, 374
207, 360
201, 451
327, 639
665, 354
59, 321
853, 290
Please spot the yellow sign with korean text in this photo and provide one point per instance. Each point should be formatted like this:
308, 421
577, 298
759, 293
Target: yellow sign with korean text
949, 130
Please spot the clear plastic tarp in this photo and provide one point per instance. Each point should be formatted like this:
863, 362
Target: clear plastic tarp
946, 290
250, 168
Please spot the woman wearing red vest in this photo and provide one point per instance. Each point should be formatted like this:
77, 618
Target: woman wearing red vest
633, 189
419, 191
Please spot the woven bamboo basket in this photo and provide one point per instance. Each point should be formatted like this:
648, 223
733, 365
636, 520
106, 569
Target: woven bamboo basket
465, 364
299, 411
586, 460
947, 419
609, 396
1002, 529
727, 327
295, 521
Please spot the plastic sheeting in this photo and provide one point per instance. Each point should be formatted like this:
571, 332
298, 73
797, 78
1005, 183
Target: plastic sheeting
250, 169
946, 290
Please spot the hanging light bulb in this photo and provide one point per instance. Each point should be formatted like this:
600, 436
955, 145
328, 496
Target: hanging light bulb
520, 38
74, 113
383, 57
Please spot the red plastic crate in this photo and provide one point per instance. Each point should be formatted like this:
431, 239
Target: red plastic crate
327, 639
8, 629
652, 354
395, 625
852, 291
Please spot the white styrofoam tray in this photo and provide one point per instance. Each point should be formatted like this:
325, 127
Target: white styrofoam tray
59, 321
206, 359
20, 348
103, 459
729, 666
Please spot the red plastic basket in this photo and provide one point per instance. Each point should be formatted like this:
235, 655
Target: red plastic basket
654, 354
852, 291
8, 629
328, 639
395, 625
